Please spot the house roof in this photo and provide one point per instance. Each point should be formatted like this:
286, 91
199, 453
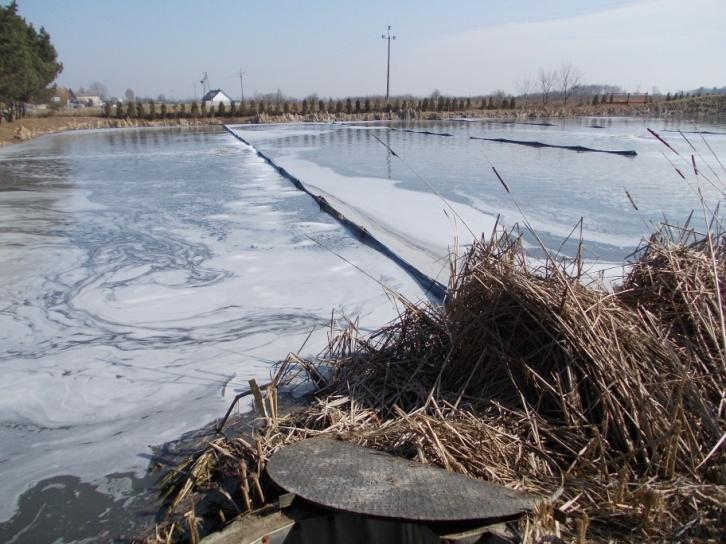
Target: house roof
212, 93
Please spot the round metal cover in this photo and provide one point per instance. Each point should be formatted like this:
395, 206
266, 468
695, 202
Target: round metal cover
350, 478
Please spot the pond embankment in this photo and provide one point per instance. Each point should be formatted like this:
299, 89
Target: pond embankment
697, 109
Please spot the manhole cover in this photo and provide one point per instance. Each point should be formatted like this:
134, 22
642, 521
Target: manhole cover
346, 477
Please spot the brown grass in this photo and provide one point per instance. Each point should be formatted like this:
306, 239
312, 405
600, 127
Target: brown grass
609, 405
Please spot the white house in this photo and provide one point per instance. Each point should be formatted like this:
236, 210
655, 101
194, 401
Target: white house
216, 96
90, 101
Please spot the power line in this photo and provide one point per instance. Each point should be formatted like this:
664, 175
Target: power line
388, 67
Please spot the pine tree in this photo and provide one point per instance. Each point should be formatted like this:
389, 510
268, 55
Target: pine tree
163, 111
595, 100
348, 106
140, 110
152, 109
107, 110
357, 106
232, 109
305, 106
367, 105
468, 103
183, 110
220, 109
512, 103
339, 106
28, 60
119, 110
195, 110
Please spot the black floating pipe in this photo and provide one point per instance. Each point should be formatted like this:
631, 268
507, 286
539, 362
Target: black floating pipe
423, 132
430, 285
527, 123
715, 133
490, 120
578, 148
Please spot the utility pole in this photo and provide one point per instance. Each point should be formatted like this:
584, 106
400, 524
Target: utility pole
241, 86
388, 68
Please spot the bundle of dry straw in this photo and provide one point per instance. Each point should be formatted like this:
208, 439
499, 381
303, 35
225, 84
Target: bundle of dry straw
609, 404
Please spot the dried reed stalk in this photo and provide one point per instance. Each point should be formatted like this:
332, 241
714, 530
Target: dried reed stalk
607, 404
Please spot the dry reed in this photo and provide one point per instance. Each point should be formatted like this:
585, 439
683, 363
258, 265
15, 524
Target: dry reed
608, 404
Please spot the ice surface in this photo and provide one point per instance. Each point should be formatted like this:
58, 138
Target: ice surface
147, 276
553, 188
421, 227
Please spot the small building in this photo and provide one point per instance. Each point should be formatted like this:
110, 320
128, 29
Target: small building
89, 101
215, 97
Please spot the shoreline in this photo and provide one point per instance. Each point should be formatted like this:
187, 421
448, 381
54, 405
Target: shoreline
711, 110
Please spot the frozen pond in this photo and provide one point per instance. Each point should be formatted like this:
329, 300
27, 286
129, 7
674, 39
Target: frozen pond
397, 196
148, 274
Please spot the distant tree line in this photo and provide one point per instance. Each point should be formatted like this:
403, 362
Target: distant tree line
565, 85
152, 109
28, 63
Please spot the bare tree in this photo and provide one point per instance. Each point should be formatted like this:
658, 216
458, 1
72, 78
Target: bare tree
98, 89
568, 78
129, 94
524, 86
546, 82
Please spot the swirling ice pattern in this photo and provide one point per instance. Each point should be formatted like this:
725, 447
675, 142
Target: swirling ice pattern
147, 274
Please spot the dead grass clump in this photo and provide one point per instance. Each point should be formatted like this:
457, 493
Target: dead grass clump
680, 278
607, 404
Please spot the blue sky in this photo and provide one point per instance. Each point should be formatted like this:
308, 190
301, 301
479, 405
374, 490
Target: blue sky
334, 48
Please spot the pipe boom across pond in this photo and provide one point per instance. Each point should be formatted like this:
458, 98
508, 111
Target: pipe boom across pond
578, 148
